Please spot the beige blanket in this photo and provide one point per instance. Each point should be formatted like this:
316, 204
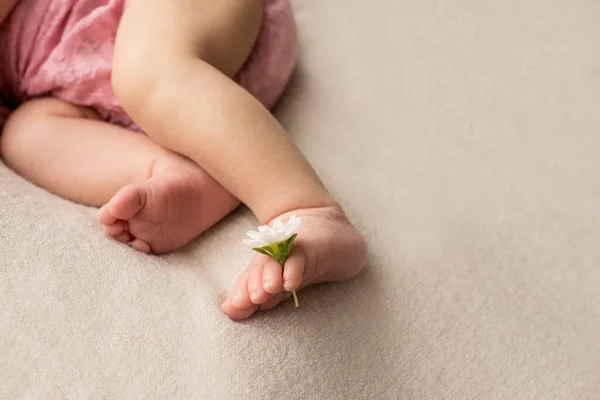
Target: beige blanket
463, 137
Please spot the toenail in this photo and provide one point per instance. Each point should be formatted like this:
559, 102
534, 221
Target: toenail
254, 295
288, 286
268, 283
237, 299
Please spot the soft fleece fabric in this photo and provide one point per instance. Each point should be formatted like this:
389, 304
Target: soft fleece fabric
462, 137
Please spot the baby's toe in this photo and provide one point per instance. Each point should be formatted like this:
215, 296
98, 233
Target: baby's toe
115, 229
141, 246
273, 301
272, 279
239, 296
124, 237
105, 217
128, 201
294, 271
237, 314
255, 284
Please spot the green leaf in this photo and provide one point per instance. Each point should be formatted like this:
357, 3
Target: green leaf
278, 251
291, 240
261, 251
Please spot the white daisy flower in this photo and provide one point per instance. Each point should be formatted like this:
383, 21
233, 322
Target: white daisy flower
276, 241
269, 235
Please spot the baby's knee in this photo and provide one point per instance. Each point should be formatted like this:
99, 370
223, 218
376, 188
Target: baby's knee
30, 121
41, 108
19, 129
144, 68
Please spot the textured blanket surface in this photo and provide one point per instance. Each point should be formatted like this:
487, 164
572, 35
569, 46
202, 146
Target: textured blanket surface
461, 136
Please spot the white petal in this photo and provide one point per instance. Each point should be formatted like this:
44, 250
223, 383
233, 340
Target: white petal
253, 243
277, 224
254, 234
264, 236
256, 239
293, 225
276, 233
288, 229
279, 238
266, 233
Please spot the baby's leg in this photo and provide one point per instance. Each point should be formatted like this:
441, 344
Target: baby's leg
156, 198
185, 101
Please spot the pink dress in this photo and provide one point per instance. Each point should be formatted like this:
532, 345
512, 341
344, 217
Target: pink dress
64, 48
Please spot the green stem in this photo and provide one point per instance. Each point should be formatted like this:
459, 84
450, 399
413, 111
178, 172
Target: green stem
296, 303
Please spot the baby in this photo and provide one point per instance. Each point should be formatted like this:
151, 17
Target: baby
157, 112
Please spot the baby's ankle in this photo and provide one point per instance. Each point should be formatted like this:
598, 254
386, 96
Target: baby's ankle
330, 211
323, 204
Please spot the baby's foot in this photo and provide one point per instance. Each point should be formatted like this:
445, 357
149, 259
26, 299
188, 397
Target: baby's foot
328, 249
168, 210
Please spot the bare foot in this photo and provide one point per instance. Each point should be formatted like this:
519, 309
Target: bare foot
178, 202
328, 249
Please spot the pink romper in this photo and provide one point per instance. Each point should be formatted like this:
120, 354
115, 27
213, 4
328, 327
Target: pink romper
64, 48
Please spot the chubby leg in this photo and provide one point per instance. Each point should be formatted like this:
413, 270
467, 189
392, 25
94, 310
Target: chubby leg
152, 197
185, 101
